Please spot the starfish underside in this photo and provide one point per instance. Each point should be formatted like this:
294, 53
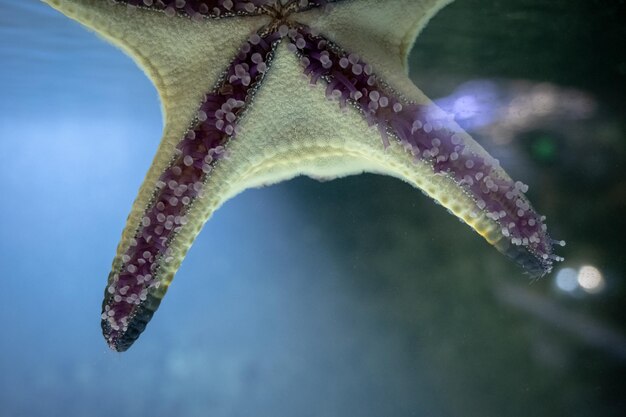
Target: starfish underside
259, 91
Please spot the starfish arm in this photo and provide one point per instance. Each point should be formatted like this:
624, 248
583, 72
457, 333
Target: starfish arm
512, 225
157, 237
501, 212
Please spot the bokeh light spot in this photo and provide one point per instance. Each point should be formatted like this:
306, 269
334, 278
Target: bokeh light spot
590, 279
567, 280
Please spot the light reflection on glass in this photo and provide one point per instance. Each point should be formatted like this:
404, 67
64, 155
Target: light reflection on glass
586, 279
590, 279
567, 280
502, 109
474, 104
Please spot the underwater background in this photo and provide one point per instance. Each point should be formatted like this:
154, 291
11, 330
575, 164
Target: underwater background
355, 297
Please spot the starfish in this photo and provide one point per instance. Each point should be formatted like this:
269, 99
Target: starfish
259, 91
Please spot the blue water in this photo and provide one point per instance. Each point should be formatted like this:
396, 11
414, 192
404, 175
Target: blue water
356, 297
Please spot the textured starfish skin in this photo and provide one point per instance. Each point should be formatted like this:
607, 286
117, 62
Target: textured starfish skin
289, 127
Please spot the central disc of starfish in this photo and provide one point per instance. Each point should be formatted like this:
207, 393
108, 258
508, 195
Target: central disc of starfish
303, 87
280, 10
